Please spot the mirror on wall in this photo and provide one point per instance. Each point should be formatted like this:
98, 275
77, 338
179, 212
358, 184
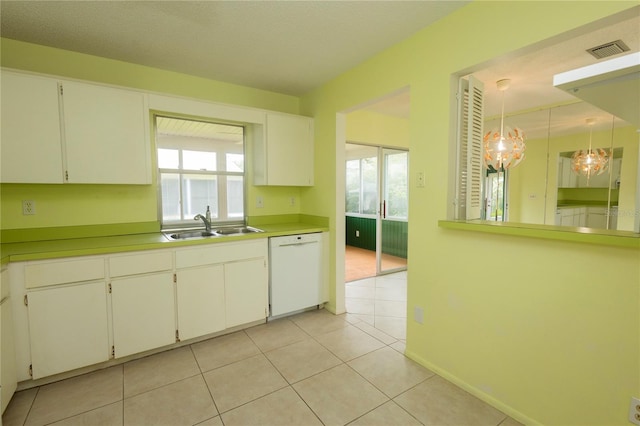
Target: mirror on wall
543, 189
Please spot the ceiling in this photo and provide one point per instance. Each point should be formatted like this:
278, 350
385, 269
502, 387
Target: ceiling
292, 47
531, 76
288, 47
531, 91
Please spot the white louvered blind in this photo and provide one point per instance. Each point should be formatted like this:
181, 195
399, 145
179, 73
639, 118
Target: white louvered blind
469, 161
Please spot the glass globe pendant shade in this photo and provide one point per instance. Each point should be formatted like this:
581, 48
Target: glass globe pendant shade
504, 150
590, 162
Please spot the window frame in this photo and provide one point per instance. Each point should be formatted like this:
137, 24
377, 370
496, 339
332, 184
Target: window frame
361, 185
221, 181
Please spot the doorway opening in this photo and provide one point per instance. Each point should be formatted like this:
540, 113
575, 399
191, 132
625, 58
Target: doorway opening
376, 210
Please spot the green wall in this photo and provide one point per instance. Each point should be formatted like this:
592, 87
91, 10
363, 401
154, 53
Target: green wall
366, 228
377, 129
516, 321
394, 235
72, 205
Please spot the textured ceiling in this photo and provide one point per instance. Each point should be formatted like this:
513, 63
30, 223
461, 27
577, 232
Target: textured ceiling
288, 47
292, 47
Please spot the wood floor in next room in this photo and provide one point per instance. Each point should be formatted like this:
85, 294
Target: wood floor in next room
361, 263
314, 368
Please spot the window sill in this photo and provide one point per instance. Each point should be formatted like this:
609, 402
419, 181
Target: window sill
561, 233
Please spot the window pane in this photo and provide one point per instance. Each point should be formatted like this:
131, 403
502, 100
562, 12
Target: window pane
170, 183
199, 191
235, 197
168, 158
198, 160
352, 190
369, 185
396, 185
235, 163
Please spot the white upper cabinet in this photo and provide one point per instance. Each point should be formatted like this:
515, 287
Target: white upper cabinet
105, 135
31, 147
61, 131
283, 153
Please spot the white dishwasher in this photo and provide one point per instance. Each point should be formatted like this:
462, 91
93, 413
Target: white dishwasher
295, 280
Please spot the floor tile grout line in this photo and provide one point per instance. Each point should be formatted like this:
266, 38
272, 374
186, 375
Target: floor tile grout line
220, 413
123, 420
24, 422
307, 404
205, 381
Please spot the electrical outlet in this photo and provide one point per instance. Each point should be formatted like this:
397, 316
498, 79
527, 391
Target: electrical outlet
259, 202
418, 314
28, 207
634, 411
357, 233
420, 179
292, 201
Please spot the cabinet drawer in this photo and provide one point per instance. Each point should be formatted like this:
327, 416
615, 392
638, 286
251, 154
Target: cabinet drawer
219, 253
141, 263
60, 272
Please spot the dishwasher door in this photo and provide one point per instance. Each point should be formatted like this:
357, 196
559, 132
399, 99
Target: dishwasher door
295, 276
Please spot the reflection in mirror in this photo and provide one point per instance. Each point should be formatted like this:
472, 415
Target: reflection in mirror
543, 189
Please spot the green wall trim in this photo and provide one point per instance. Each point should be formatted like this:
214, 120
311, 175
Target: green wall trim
83, 231
394, 235
366, 228
561, 233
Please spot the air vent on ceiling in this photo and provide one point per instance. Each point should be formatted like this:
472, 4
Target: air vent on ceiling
608, 49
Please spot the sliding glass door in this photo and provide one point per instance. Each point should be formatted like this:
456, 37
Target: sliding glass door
394, 214
377, 205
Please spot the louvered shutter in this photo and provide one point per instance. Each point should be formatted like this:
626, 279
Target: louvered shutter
469, 159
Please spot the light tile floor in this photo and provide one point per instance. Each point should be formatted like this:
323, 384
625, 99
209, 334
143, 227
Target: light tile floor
314, 368
381, 302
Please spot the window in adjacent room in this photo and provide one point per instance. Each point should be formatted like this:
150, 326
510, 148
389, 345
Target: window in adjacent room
362, 186
200, 164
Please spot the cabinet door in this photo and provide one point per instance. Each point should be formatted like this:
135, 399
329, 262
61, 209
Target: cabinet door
597, 217
246, 291
31, 148
105, 135
200, 300
68, 327
567, 217
8, 376
143, 313
289, 150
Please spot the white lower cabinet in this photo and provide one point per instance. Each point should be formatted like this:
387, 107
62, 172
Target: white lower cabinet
8, 376
246, 291
227, 284
200, 300
86, 310
143, 309
68, 327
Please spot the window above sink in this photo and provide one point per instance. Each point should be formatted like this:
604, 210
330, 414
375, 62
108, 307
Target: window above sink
200, 166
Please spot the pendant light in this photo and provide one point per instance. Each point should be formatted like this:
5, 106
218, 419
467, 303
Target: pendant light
504, 147
590, 162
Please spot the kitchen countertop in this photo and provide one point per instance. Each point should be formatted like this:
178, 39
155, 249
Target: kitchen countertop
59, 248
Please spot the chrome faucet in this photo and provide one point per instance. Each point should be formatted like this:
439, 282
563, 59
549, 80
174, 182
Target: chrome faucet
206, 220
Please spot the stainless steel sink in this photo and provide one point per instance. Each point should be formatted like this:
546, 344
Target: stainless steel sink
219, 232
232, 230
181, 235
